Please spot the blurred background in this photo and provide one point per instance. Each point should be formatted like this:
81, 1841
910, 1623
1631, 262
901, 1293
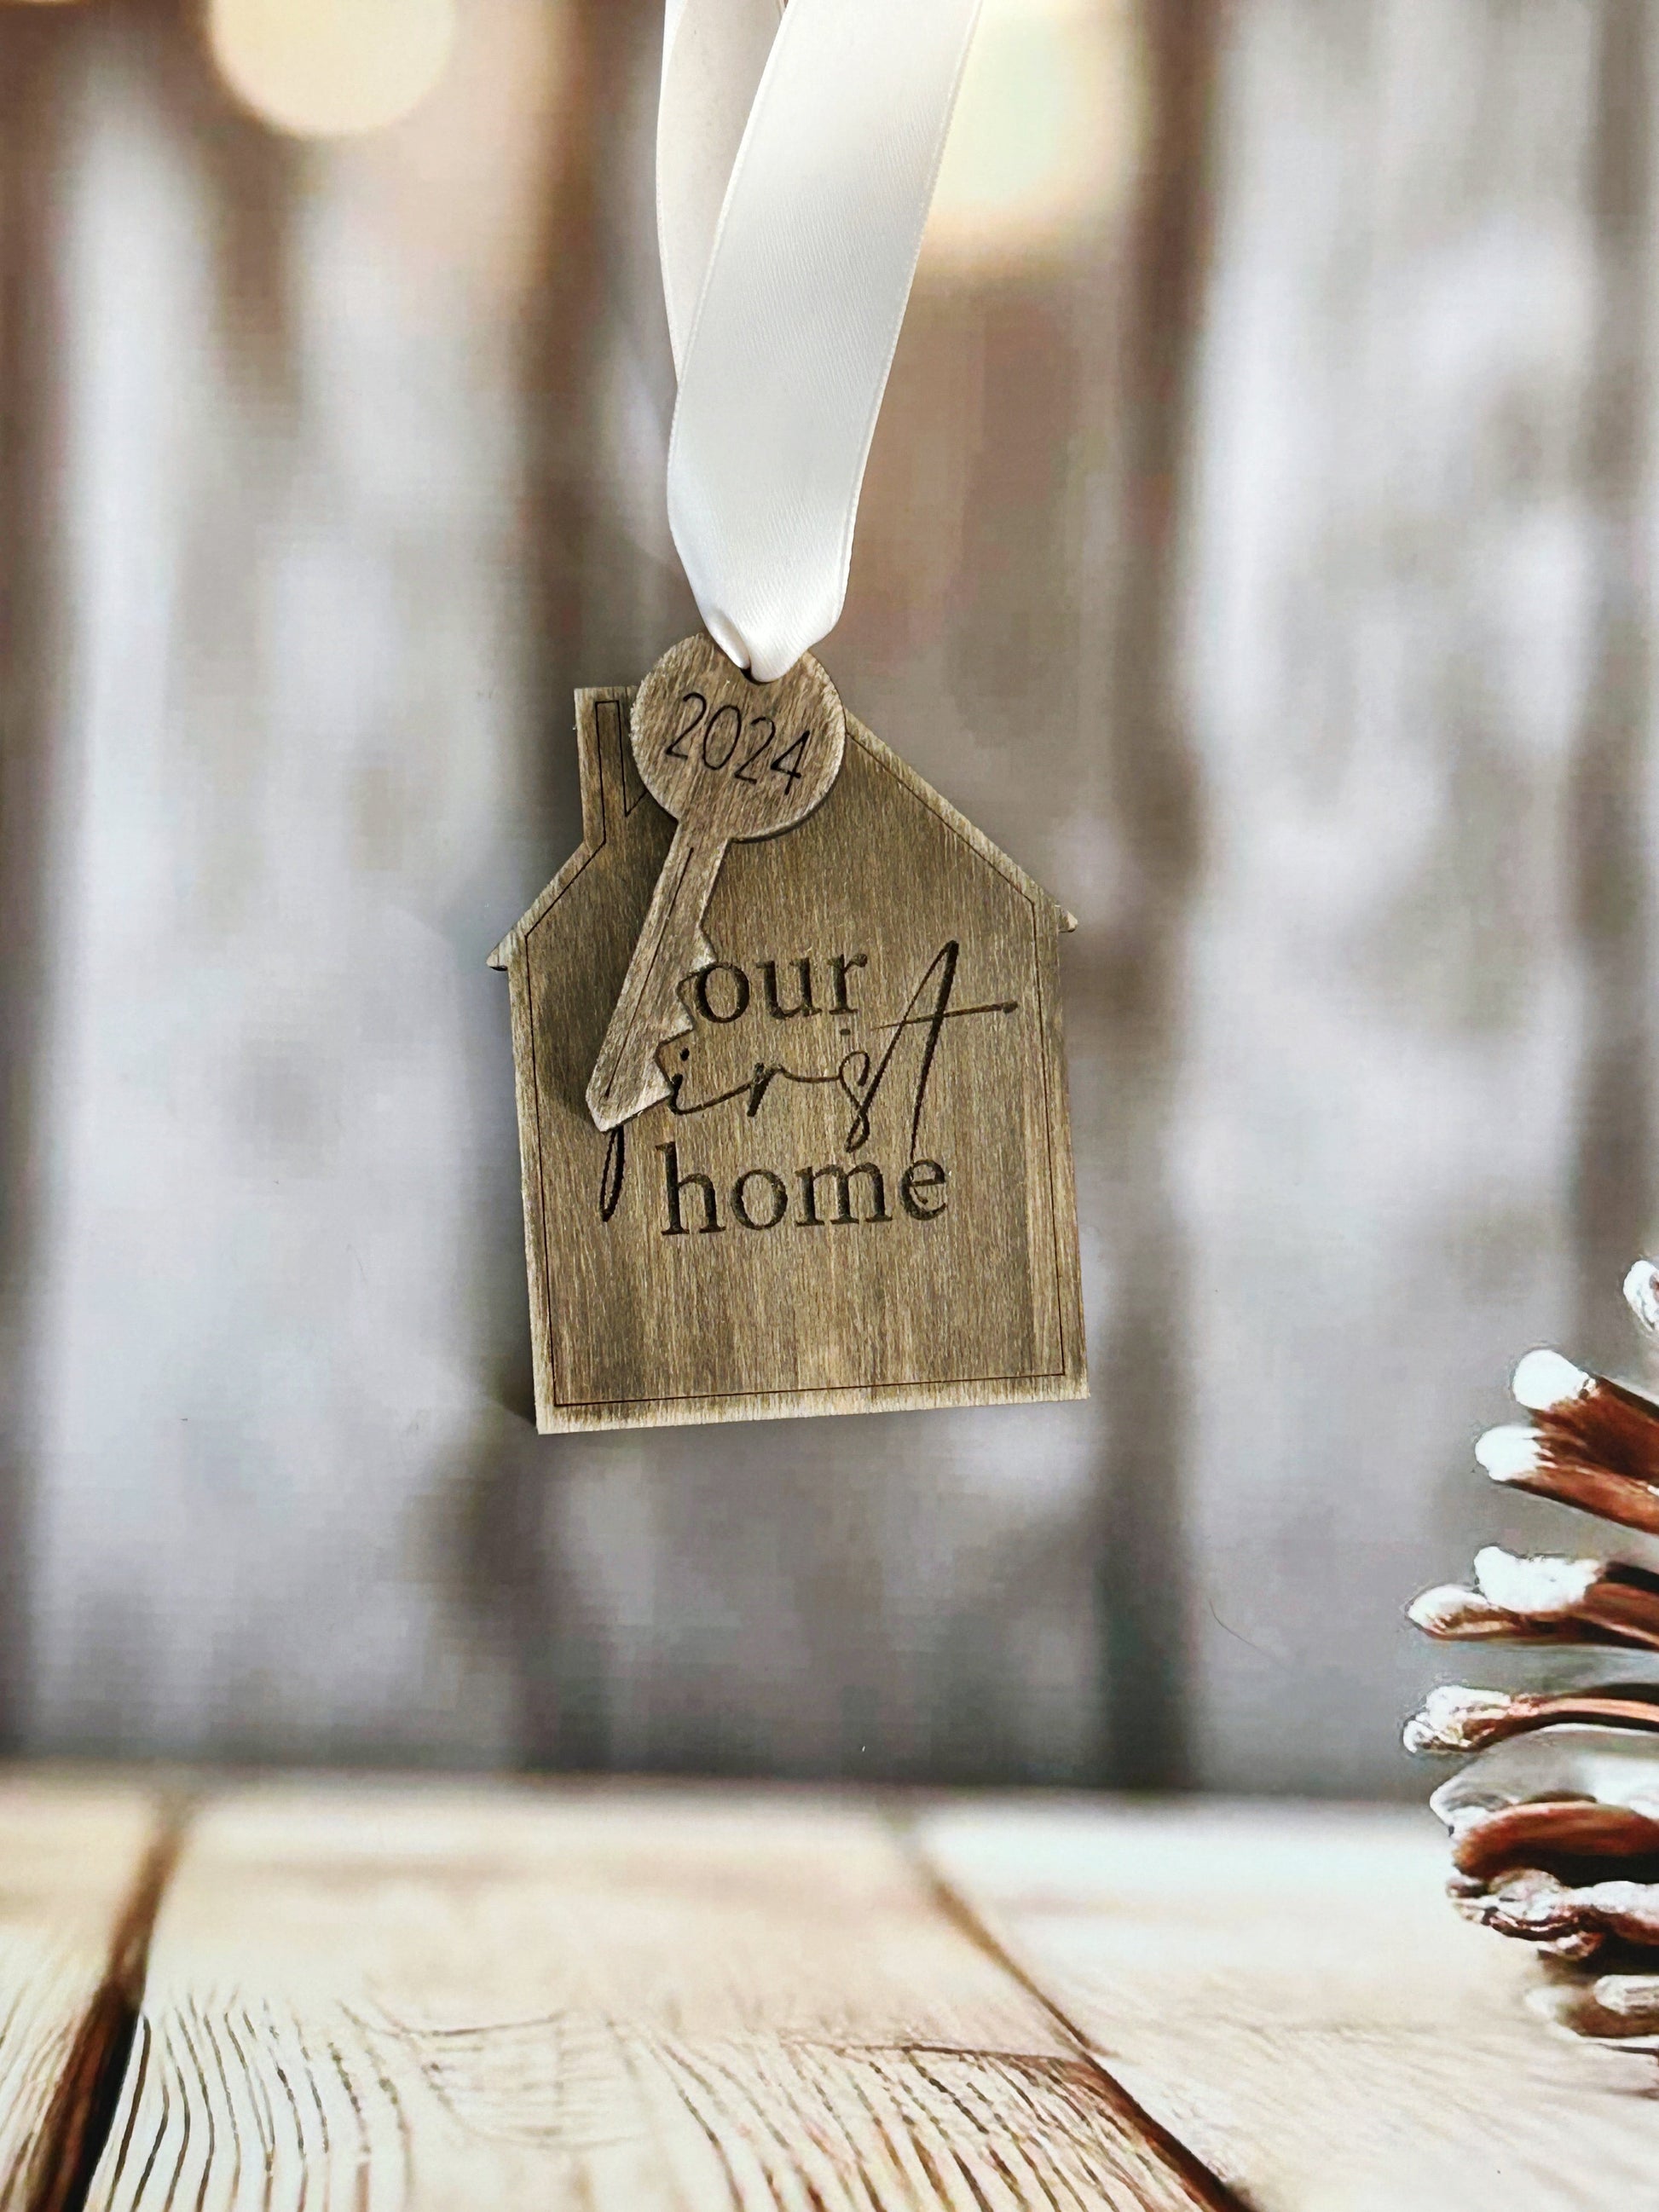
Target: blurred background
1257, 543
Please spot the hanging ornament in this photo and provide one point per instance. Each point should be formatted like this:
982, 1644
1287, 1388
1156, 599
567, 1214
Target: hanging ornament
786, 1027
1555, 1824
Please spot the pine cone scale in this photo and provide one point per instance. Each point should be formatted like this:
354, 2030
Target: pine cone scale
1554, 1823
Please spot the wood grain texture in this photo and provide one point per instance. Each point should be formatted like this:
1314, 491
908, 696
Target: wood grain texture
624, 1999
383, 1995
857, 1193
1390, 638
35, 131
727, 758
72, 1853
1290, 1993
268, 1063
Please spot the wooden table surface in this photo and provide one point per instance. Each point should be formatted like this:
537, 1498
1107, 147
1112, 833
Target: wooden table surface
363, 1995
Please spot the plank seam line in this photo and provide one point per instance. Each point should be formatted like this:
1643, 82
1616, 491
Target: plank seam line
82, 2115
1208, 2189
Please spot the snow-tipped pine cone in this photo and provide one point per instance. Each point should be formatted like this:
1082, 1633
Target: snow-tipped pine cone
1555, 1822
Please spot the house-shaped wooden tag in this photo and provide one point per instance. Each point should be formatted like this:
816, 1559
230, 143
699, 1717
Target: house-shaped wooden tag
859, 1193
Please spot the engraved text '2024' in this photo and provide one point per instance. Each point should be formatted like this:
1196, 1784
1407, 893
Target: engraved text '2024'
724, 729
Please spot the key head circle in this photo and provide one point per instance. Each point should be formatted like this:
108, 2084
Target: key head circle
738, 759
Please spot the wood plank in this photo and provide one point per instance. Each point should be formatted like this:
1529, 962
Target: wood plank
1290, 1993
1392, 628
303, 741
31, 136
1612, 799
635, 1998
72, 1859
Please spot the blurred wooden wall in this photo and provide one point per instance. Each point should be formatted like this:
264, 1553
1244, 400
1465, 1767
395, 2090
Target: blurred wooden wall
1261, 555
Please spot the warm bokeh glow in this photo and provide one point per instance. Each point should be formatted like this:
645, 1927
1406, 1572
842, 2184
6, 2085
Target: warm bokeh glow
327, 68
1046, 131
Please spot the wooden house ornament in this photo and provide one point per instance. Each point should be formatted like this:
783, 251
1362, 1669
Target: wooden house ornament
857, 1193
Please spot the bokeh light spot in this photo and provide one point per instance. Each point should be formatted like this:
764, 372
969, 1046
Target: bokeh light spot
1046, 134
329, 69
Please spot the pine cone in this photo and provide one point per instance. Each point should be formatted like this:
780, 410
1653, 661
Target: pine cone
1555, 1824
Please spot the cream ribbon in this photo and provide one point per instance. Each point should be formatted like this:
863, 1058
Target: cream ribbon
795, 165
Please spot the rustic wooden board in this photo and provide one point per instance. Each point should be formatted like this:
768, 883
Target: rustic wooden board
1290, 1993
73, 1904
1390, 635
388, 1995
623, 1998
859, 1193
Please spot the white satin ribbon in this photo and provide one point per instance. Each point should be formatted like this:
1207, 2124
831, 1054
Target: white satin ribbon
795, 167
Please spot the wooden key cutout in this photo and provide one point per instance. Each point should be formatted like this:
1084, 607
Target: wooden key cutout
730, 759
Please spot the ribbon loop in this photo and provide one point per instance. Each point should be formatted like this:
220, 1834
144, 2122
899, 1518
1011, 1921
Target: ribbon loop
795, 167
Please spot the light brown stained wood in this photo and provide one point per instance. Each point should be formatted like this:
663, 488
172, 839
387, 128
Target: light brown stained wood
1290, 1993
619, 2000
72, 1854
821, 1237
727, 758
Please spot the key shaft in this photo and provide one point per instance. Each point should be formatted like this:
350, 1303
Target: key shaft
626, 1077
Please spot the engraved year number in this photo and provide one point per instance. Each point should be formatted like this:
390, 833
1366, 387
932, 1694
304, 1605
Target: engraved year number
723, 731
